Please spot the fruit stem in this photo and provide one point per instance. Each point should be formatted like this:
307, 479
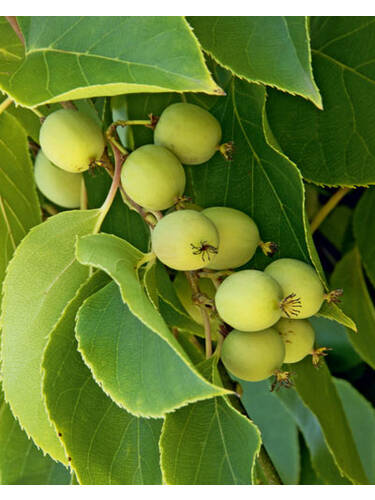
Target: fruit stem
267, 467
7, 102
193, 281
83, 196
328, 207
68, 105
37, 113
119, 161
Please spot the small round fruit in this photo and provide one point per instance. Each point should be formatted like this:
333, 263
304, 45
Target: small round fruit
189, 131
185, 240
239, 237
184, 293
249, 300
298, 336
71, 140
297, 277
61, 187
153, 177
253, 356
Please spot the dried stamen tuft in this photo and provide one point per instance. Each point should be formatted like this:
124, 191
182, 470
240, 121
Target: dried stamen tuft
205, 250
226, 150
282, 379
291, 305
318, 354
334, 296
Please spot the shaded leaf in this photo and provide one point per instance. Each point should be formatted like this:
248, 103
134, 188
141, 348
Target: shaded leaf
278, 429
106, 444
364, 231
42, 278
19, 206
215, 443
361, 417
356, 301
11, 49
335, 146
254, 51
106, 56
317, 391
120, 260
321, 458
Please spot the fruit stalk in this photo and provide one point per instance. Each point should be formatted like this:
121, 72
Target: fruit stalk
193, 281
328, 207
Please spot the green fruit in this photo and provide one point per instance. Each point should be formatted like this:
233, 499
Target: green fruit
297, 277
185, 294
239, 237
153, 177
249, 301
189, 131
61, 187
71, 140
298, 336
185, 240
253, 356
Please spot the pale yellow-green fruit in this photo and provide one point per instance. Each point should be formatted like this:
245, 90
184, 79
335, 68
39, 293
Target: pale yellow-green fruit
239, 237
61, 187
249, 300
297, 277
153, 177
298, 336
185, 240
71, 140
189, 131
253, 356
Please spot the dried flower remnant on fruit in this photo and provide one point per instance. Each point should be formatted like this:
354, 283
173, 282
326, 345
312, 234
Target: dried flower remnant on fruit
318, 355
205, 250
282, 379
291, 305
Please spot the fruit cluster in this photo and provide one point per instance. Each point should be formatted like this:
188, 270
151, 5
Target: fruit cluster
266, 310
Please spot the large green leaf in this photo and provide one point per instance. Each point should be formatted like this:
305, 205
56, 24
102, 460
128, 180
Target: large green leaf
251, 46
106, 444
106, 56
364, 231
208, 442
20, 460
137, 368
335, 146
318, 392
119, 259
361, 417
321, 458
278, 429
42, 278
356, 301
19, 207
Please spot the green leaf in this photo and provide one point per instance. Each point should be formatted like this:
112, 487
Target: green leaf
208, 442
278, 429
364, 231
106, 56
20, 460
331, 334
106, 444
322, 460
139, 370
335, 146
119, 259
254, 51
19, 206
11, 49
356, 301
41, 279
361, 417
318, 392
